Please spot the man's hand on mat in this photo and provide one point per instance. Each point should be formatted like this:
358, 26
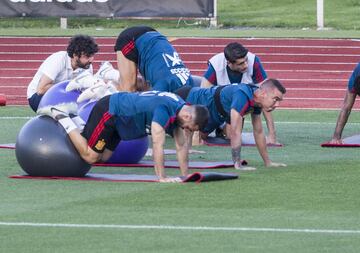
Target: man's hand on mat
239, 166
335, 141
272, 140
170, 180
272, 164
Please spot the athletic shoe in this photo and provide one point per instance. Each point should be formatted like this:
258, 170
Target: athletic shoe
82, 82
96, 92
104, 67
64, 109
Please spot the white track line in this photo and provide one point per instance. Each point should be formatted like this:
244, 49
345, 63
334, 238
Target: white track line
204, 45
199, 53
202, 62
188, 228
203, 70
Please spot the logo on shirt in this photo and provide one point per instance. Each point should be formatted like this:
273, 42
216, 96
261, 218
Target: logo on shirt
100, 144
182, 73
172, 60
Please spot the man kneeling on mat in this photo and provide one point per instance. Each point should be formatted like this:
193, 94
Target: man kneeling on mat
230, 104
127, 116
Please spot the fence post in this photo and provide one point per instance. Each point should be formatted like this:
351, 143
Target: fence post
213, 20
63, 23
320, 14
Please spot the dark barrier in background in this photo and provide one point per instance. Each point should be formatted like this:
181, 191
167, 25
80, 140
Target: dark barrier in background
107, 8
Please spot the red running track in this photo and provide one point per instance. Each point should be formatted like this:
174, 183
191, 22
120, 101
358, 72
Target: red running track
314, 71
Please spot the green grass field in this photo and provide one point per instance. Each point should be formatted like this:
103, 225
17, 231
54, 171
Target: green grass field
312, 205
312, 200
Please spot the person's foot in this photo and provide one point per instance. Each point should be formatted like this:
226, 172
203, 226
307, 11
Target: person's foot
104, 67
57, 114
96, 92
59, 111
81, 82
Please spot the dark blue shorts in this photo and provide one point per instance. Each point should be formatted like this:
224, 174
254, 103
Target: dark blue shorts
34, 101
100, 130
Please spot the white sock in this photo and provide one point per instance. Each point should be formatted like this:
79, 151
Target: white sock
67, 124
79, 122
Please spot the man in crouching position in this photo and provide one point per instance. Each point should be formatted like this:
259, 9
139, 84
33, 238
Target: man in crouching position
230, 104
127, 116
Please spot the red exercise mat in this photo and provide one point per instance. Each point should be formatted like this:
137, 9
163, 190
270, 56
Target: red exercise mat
348, 142
196, 177
175, 164
247, 139
8, 146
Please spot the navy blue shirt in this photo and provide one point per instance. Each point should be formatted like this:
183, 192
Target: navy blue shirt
239, 97
160, 64
352, 78
136, 111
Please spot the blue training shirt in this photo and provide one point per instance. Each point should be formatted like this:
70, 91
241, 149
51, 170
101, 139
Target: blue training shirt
352, 78
239, 97
136, 111
160, 64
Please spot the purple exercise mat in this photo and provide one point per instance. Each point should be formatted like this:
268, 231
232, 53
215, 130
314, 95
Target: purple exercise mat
196, 177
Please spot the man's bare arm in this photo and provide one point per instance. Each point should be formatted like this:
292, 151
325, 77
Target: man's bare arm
259, 137
343, 117
158, 141
235, 136
183, 143
45, 83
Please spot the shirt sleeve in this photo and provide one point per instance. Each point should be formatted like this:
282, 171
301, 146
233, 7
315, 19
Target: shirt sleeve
162, 116
53, 65
259, 73
210, 74
352, 78
241, 103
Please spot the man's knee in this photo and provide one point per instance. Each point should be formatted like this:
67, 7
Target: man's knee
34, 101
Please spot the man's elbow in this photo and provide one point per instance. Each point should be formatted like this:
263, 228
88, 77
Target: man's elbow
90, 158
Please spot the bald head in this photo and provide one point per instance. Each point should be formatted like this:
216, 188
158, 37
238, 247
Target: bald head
273, 84
269, 95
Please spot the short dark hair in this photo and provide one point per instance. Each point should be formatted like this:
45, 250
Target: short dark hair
82, 44
357, 85
276, 83
201, 116
234, 51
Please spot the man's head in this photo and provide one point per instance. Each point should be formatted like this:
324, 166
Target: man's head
82, 49
269, 95
236, 56
193, 117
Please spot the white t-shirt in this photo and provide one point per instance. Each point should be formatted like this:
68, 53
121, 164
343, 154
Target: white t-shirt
58, 68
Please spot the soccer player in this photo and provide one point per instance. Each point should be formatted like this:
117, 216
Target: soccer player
143, 48
230, 104
127, 116
237, 65
352, 91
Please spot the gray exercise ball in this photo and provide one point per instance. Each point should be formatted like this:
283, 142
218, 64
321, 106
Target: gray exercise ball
44, 149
